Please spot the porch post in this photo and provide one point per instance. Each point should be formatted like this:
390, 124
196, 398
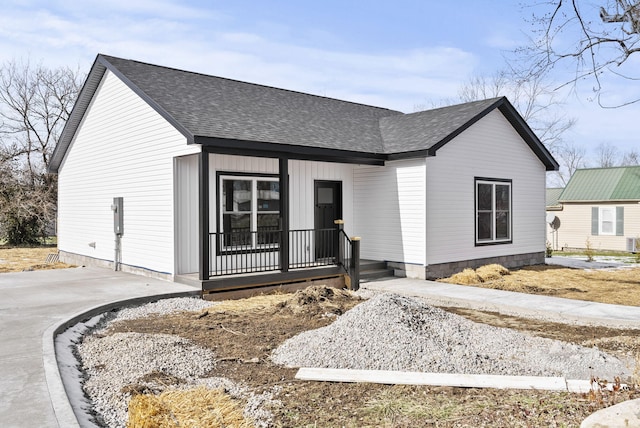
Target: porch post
284, 213
339, 250
203, 202
355, 263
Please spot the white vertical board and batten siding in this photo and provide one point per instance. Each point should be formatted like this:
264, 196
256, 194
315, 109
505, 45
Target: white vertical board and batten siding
122, 148
302, 198
302, 176
187, 219
490, 148
389, 204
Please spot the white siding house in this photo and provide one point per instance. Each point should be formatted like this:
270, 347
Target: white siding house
122, 148
390, 211
489, 149
221, 178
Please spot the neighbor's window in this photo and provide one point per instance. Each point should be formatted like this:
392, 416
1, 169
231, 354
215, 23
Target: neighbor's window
493, 211
607, 220
250, 211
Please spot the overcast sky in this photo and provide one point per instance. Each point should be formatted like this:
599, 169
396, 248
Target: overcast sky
397, 54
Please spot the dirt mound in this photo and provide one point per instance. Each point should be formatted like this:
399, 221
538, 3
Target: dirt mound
320, 299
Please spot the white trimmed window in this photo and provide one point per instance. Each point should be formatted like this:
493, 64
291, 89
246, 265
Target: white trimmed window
608, 220
493, 211
249, 211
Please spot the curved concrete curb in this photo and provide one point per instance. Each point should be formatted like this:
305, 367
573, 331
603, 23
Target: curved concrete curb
622, 415
63, 410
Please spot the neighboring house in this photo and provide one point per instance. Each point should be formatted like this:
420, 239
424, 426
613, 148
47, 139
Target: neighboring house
221, 177
553, 220
603, 206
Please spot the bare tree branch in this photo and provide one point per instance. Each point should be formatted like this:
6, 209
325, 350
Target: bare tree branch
595, 40
607, 155
35, 102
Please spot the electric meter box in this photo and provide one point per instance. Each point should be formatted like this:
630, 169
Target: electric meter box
118, 216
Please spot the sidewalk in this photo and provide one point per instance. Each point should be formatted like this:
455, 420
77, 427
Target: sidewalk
31, 304
510, 303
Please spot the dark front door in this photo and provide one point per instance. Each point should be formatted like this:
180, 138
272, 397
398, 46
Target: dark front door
328, 208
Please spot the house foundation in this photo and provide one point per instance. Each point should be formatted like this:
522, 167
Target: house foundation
81, 260
443, 270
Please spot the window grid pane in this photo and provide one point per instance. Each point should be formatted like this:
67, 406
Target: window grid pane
485, 197
485, 231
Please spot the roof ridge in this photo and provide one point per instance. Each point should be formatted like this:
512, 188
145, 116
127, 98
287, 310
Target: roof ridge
486, 100
601, 168
107, 57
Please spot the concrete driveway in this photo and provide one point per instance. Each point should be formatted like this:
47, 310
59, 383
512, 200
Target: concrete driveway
30, 304
34, 304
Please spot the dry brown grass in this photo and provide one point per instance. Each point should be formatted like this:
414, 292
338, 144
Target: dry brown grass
482, 274
253, 304
321, 297
26, 259
466, 277
193, 408
492, 272
619, 286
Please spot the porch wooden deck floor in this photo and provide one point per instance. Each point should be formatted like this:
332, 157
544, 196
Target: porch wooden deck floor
276, 278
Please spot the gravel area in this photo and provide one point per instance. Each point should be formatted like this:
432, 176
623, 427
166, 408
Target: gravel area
116, 365
393, 332
386, 332
160, 307
117, 361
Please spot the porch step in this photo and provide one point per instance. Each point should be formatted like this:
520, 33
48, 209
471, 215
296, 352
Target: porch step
370, 270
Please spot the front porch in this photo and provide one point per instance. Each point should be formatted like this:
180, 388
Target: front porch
248, 259
239, 222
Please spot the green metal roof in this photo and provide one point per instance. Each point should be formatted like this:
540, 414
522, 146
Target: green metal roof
603, 184
552, 196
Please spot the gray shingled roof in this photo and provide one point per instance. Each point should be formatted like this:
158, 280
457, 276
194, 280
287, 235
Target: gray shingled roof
205, 107
425, 129
210, 106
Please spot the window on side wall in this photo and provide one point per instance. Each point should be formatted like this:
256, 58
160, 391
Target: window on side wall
249, 212
607, 221
493, 211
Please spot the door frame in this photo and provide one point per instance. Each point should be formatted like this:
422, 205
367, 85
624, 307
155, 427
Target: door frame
321, 248
337, 198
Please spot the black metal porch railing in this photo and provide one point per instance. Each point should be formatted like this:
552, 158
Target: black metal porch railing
242, 252
313, 248
349, 257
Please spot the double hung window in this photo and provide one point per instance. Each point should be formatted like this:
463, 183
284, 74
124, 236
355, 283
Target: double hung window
493, 211
607, 220
249, 212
